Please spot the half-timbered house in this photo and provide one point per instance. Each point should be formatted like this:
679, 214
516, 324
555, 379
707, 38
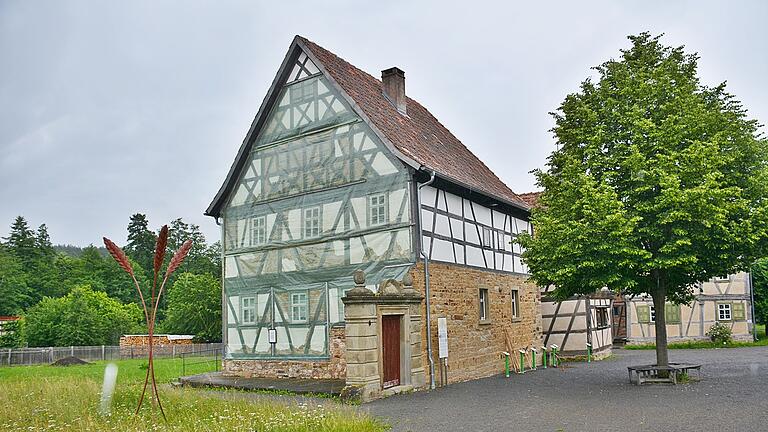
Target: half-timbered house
352, 221
726, 299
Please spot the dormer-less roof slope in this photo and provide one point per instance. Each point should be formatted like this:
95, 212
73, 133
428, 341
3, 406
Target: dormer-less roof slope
418, 138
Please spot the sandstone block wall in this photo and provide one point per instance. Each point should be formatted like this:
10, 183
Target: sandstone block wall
474, 347
333, 368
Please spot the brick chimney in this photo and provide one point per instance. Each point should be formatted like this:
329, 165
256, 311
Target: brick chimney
394, 87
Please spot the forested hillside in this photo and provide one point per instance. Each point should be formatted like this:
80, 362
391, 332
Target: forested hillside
71, 295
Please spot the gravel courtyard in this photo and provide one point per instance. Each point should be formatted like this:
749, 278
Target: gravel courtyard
732, 396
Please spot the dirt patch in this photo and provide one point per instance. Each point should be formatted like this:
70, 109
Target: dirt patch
69, 361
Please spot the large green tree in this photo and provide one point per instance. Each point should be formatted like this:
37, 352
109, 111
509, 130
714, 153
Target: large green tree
194, 307
760, 289
82, 317
141, 242
14, 291
659, 182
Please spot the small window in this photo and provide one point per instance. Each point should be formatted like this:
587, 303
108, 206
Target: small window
722, 278
258, 231
298, 307
724, 312
312, 222
377, 209
515, 304
653, 313
601, 317
483, 304
500, 243
248, 309
487, 238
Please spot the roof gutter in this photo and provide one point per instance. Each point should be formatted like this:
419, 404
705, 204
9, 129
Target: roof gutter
427, 295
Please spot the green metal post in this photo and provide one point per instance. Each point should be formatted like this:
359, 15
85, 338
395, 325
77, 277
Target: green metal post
554, 355
506, 365
533, 358
544, 356
522, 361
589, 353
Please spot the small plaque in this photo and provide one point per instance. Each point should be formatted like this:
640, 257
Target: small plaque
442, 337
272, 336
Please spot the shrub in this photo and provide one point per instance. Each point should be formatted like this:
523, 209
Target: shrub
719, 333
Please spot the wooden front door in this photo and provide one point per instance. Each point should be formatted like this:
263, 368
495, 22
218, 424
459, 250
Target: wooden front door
391, 349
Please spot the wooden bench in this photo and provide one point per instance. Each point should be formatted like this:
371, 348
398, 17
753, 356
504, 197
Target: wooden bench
651, 373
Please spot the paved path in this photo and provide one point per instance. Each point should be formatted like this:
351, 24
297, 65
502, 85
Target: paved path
733, 396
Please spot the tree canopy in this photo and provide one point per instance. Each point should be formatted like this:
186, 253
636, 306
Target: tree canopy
36, 279
82, 317
659, 182
194, 307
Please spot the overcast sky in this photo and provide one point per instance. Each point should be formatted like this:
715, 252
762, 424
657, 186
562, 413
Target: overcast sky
112, 108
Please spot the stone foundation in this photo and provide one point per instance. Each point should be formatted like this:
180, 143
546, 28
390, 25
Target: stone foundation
333, 368
474, 347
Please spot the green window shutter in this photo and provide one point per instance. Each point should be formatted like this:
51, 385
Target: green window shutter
737, 310
643, 314
672, 312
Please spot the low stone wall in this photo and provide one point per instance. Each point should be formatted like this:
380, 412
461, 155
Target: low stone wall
333, 368
475, 347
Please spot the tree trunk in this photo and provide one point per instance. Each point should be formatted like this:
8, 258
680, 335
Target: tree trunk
659, 300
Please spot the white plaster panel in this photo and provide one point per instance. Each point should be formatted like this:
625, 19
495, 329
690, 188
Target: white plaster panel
442, 225
457, 227
471, 233
442, 251
428, 195
475, 257
454, 203
426, 220
482, 214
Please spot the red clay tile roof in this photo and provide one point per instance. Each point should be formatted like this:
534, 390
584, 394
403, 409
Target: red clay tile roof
419, 135
530, 198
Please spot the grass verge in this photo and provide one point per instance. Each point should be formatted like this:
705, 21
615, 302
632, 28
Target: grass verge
50, 398
705, 344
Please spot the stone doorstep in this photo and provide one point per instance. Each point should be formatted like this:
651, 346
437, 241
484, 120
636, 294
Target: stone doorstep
294, 385
396, 390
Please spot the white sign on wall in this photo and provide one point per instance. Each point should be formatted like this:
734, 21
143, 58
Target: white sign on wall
272, 336
442, 337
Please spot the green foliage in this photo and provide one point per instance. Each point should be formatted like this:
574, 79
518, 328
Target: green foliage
15, 294
33, 272
13, 334
659, 182
194, 307
141, 242
82, 317
760, 288
720, 333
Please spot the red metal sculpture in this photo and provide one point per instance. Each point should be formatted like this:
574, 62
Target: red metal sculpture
150, 313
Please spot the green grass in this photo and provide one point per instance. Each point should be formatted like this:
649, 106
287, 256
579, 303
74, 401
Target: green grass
67, 398
705, 344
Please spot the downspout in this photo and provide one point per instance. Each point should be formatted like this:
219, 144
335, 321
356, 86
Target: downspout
425, 257
752, 305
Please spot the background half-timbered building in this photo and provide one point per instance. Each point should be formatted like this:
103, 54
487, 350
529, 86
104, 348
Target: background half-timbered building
352, 221
725, 299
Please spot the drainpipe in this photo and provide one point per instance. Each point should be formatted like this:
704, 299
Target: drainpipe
425, 257
752, 305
